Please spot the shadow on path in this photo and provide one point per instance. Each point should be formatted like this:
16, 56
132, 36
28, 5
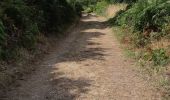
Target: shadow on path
82, 48
78, 47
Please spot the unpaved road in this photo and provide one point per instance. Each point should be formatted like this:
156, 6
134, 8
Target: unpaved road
87, 65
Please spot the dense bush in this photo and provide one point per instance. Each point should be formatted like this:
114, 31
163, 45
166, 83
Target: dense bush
147, 22
84, 3
121, 1
146, 17
160, 57
100, 7
22, 21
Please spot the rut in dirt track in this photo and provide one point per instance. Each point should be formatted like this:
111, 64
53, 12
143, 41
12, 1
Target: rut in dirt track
87, 65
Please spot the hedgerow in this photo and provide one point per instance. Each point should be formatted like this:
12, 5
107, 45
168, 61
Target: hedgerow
146, 17
22, 21
148, 22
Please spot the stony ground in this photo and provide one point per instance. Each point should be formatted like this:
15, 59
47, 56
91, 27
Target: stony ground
87, 65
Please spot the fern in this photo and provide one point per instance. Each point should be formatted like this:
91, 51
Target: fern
153, 14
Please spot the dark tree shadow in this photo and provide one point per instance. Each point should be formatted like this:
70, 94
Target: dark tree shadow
68, 89
94, 25
86, 53
65, 88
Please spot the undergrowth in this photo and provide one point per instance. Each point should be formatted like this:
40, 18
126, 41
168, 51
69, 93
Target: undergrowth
25, 29
100, 7
147, 22
23, 21
152, 62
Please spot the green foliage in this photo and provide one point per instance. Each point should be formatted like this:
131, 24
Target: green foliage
157, 57
101, 7
114, 20
21, 22
56, 13
139, 40
85, 4
90, 8
160, 57
121, 1
146, 13
149, 21
145, 16
28, 40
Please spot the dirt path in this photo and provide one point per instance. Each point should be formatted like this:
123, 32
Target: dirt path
87, 65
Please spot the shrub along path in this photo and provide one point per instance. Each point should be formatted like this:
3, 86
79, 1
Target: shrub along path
87, 65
